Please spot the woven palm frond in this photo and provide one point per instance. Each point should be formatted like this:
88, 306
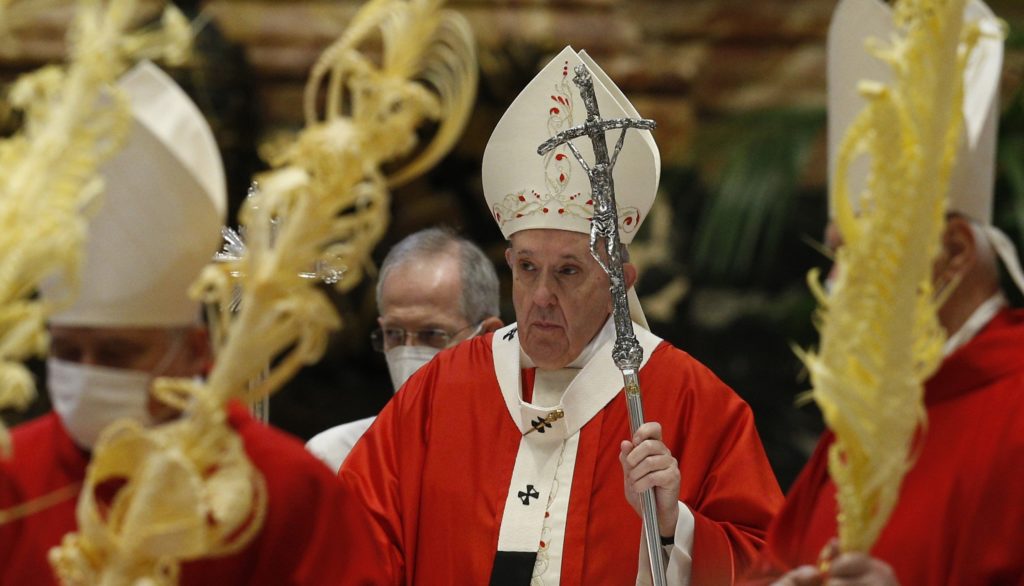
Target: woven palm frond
880, 337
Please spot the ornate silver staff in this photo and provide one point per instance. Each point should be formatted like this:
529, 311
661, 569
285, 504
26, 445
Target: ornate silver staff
627, 352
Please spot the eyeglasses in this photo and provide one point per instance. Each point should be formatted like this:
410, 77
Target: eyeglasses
387, 338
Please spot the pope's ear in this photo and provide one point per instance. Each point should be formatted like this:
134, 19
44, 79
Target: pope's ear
629, 272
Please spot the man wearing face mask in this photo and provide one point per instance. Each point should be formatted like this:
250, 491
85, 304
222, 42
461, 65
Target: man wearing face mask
435, 290
508, 459
157, 224
959, 518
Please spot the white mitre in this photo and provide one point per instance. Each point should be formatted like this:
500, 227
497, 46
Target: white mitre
525, 190
972, 182
158, 222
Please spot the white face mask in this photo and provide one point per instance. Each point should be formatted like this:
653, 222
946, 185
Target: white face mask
88, 398
403, 361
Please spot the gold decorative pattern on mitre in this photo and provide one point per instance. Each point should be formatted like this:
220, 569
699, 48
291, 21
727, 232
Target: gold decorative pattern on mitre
74, 119
326, 200
880, 337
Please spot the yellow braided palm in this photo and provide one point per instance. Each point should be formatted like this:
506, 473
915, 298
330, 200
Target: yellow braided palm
327, 196
880, 338
74, 120
190, 491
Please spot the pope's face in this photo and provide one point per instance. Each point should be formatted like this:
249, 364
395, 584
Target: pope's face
560, 294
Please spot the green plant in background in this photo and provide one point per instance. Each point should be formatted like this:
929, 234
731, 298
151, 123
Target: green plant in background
744, 213
1009, 204
755, 163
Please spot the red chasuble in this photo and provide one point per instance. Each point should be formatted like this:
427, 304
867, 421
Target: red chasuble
295, 547
960, 517
435, 474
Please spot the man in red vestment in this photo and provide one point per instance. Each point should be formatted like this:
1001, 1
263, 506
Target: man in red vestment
959, 518
508, 459
132, 321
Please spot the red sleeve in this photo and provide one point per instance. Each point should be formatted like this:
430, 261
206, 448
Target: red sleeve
380, 481
726, 479
740, 498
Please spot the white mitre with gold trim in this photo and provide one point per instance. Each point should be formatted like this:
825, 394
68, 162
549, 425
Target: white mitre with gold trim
159, 218
525, 190
972, 182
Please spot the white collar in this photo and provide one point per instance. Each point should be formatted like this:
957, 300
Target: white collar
591, 389
974, 324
